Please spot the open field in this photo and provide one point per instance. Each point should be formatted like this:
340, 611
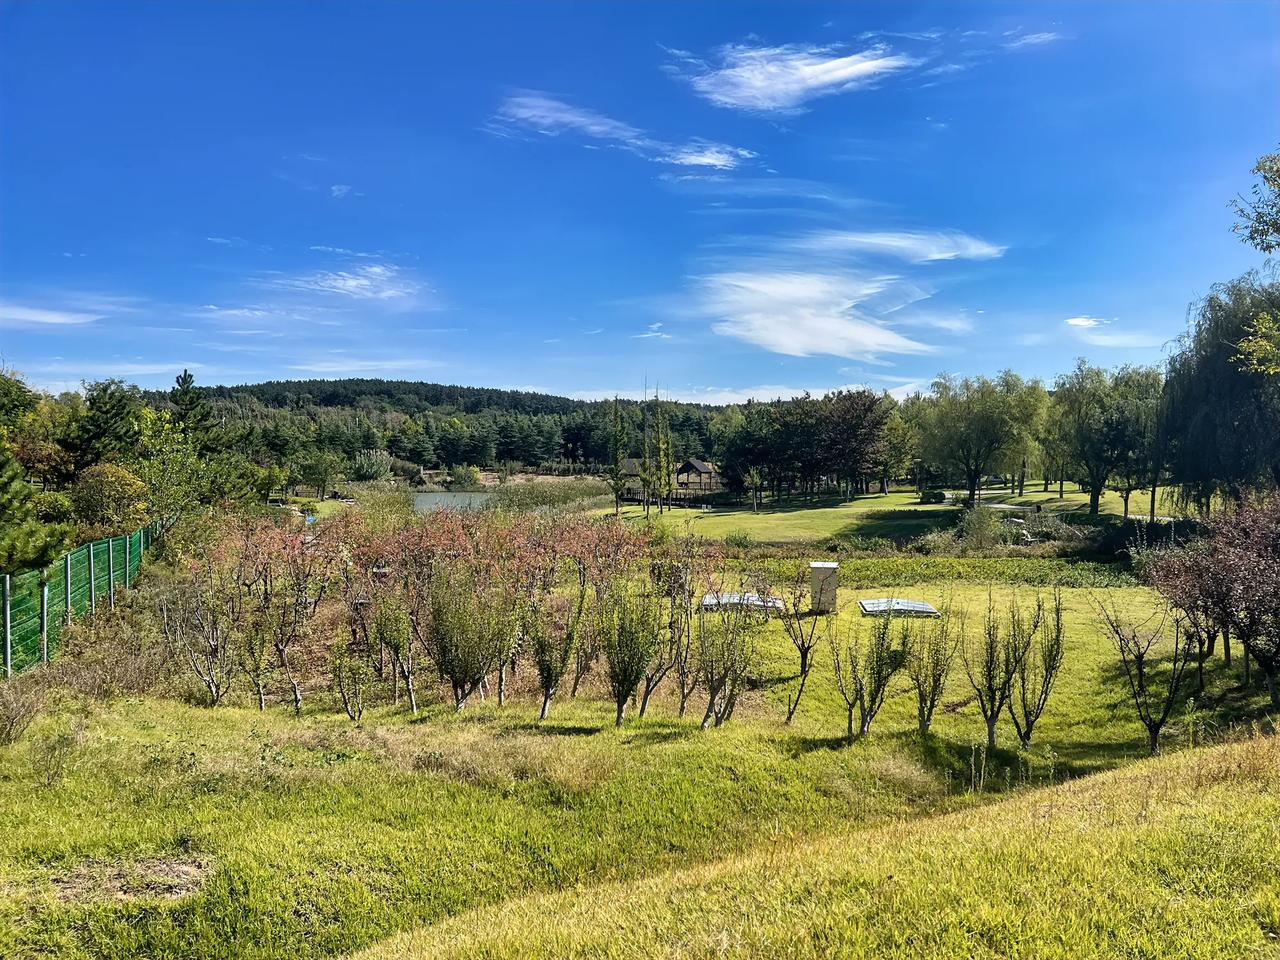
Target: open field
896, 516
148, 827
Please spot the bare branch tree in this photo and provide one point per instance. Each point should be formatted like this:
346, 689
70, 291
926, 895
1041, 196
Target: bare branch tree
199, 620
1135, 643
800, 621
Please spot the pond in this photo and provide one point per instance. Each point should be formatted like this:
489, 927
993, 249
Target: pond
449, 500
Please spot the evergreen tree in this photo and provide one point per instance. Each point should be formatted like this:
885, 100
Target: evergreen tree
194, 416
25, 543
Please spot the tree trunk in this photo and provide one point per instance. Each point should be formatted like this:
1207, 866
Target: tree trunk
1022, 478
849, 729
502, 684
1273, 689
1095, 495
546, 704
1061, 482
1226, 646
1154, 486
1125, 496
1153, 740
622, 710
991, 733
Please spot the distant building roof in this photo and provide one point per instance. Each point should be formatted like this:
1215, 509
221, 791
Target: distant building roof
694, 465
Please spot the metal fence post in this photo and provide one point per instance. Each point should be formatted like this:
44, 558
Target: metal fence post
128, 541
66, 587
44, 617
8, 630
111, 572
93, 583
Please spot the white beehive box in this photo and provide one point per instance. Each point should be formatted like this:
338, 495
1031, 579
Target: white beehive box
824, 576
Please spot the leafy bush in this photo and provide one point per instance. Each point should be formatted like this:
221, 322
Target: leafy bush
980, 529
464, 478
738, 540
53, 507
933, 496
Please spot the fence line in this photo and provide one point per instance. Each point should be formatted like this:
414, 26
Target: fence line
38, 604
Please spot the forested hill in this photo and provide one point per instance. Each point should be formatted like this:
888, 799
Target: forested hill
403, 396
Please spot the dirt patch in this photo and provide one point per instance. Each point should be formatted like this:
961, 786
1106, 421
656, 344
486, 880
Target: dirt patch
153, 878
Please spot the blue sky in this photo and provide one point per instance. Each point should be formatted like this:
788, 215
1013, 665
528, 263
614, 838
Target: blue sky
728, 199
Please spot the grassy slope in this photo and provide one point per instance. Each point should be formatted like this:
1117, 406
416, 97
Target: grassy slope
1178, 857
323, 837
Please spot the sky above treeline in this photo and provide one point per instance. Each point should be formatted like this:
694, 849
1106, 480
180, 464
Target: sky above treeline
720, 199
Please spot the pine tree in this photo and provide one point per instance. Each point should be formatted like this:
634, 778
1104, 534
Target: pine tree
25, 543
194, 417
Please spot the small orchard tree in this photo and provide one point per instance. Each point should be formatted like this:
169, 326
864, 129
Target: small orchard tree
727, 629
472, 628
629, 624
864, 664
1139, 644
1036, 672
675, 573
800, 621
991, 660
931, 649
200, 619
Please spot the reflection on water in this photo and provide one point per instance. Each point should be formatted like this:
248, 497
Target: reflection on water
449, 500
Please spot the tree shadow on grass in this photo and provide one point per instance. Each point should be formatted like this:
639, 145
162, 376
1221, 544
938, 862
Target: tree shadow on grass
897, 525
549, 728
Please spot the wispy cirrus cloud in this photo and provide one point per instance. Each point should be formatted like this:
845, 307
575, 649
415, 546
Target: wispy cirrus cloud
19, 315
374, 281
359, 365
1099, 333
913, 246
533, 110
801, 314
782, 79
837, 293
1016, 40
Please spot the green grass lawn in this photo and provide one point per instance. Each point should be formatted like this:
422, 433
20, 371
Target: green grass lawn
896, 516
151, 828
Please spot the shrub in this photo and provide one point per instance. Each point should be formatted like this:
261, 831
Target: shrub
21, 699
933, 496
53, 507
979, 529
109, 500
738, 540
535, 494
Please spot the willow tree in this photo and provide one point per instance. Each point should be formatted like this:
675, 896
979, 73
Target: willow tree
970, 424
1219, 415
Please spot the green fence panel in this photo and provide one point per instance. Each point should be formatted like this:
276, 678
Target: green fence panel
90, 571
80, 581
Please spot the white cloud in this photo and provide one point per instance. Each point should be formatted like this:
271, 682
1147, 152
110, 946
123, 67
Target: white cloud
347, 366
802, 314
911, 246
375, 281
124, 368
1032, 40
339, 190
1121, 340
544, 114
722, 396
1090, 330
653, 333
16, 315
781, 79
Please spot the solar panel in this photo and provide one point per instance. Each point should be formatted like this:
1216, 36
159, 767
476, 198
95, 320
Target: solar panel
886, 606
713, 600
